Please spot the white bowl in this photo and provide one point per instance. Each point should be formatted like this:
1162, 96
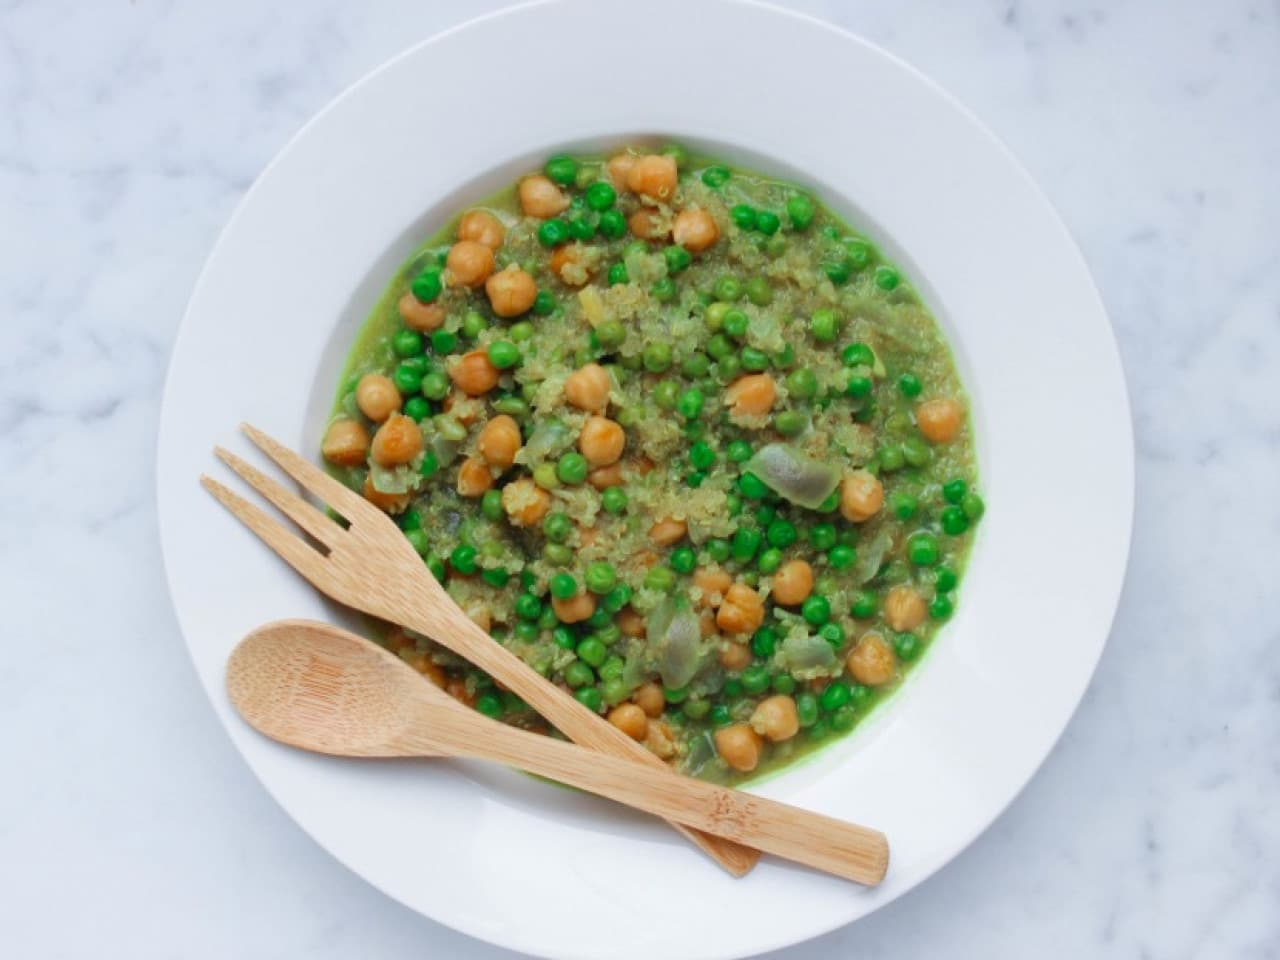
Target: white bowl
528, 866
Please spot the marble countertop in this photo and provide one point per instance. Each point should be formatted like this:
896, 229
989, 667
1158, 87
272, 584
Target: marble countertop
128, 825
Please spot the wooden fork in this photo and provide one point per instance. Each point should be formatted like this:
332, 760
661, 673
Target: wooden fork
370, 566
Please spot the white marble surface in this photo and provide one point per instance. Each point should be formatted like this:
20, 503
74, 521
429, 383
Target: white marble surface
130, 828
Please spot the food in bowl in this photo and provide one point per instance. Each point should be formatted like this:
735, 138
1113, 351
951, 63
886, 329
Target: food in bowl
681, 439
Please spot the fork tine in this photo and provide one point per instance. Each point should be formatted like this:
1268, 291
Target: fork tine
289, 503
347, 502
292, 549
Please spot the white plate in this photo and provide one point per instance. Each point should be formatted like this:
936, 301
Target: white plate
535, 868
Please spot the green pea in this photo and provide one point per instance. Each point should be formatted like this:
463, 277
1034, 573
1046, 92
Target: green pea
904, 505
544, 475
922, 549
745, 543
491, 505
835, 696
683, 560
781, 534
891, 459
430, 464
755, 679
784, 683
419, 540
553, 232
417, 408
759, 292
816, 610
616, 599
907, 645
953, 491
600, 577
557, 554
463, 559
571, 468
592, 651
765, 514
601, 195
610, 334
806, 709
661, 579
972, 506
764, 642
858, 355
665, 394
657, 357
562, 169
407, 379
727, 289
407, 343
495, 576
819, 730
829, 505
735, 324
954, 521
785, 357
473, 324
733, 504
443, 342
618, 274
411, 519
838, 270
858, 387
946, 579
941, 607
738, 451
714, 315
887, 277
578, 674
675, 694
614, 500
824, 325
580, 228
427, 285
843, 718
800, 211
696, 709
503, 354
802, 384
751, 486
767, 222
728, 368
822, 536
720, 715
701, 455
916, 452
612, 226
754, 360
744, 216
696, 365
564, 586
715, 177
511, 406
732, 689
859, 253
833, 633
769, 561
677, 258
690, 403
664, 290
790, 423
718, 550
490, 704
557, 527
909, 384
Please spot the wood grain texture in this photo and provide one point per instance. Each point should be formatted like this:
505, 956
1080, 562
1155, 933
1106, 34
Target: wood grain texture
315, 686
370, 566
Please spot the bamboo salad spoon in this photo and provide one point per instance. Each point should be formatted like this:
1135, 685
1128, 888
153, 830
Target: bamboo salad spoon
370, 566
318, 687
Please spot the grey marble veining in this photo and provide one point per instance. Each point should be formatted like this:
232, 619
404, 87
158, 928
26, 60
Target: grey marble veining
128, 131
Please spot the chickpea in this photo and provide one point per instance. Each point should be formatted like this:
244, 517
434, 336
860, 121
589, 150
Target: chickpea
619, 169
751, 395
653, 176
541, 198
861, 496
650, 699
603, 477
713, 582
474, 477
576, 609
738, 746
695, 230
939, 420
793, 583
387, 502
735, 656
423, 317
587, 388
648, 224
481, 226
707, 624
872, 661
668, 531
458, 690
429, 669
601, 441
377, 397
630, 622
469, 263
775, 718
904, 609
499, 441
473, 374
569, 263
659, 740
741, 611
630, 719
526, 503
397, 441
511, 291
346, 443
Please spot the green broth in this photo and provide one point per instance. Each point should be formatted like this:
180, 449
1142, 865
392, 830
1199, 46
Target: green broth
787, 291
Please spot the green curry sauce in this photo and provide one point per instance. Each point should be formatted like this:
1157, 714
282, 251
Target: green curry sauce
734, 583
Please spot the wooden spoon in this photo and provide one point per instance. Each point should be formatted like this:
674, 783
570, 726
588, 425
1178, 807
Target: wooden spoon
315, 686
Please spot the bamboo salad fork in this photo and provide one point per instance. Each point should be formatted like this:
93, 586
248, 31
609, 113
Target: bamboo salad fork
371, 567
318, 687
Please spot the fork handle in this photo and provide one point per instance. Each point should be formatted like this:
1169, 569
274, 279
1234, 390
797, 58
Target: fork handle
833, 846
448, 625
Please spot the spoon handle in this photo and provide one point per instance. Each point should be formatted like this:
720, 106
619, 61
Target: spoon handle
833, 846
